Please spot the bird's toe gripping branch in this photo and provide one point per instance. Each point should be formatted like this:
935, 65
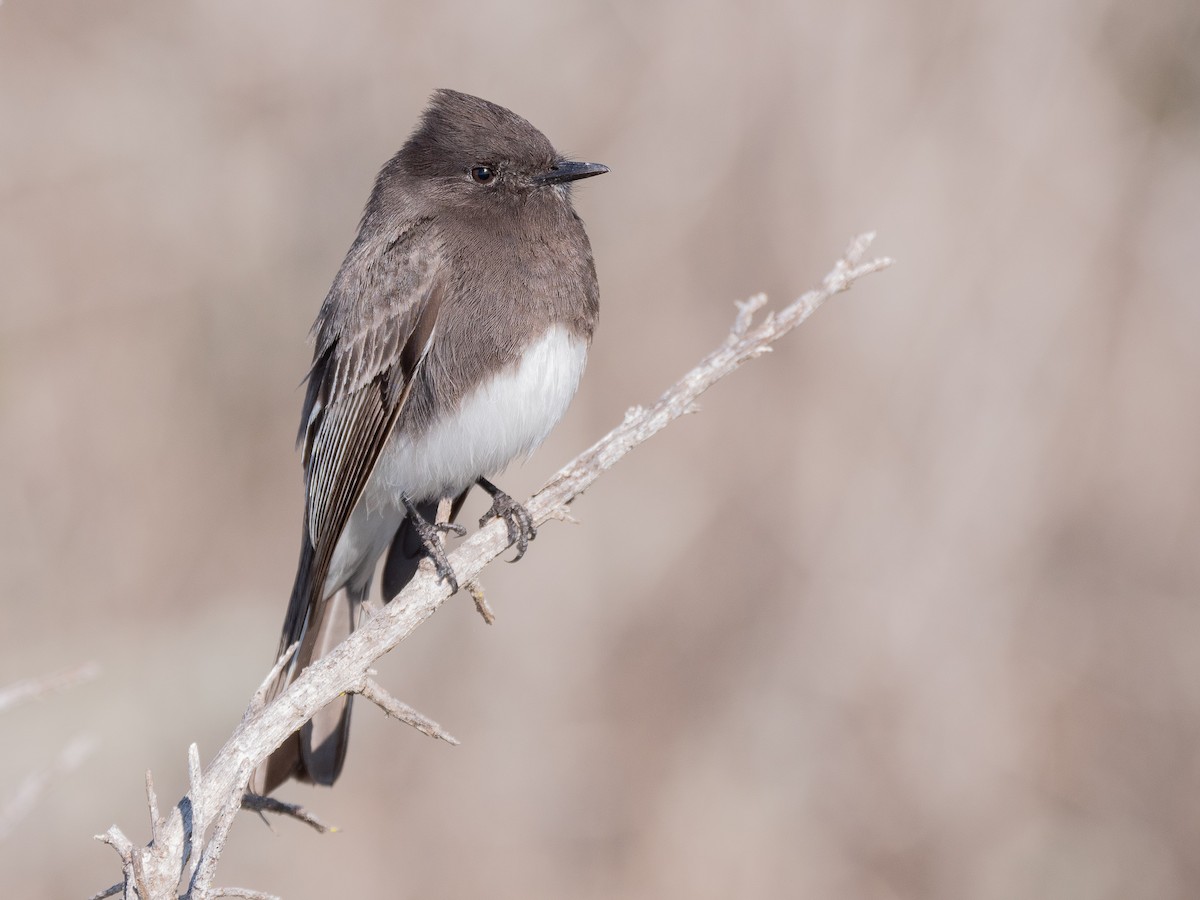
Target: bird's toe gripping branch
521, 529
431, 540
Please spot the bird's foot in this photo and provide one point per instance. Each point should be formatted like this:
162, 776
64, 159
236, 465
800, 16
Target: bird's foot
521, 529
431, 539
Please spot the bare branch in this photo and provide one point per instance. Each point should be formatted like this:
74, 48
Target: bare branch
375, 692
133, 884
21, 691
152, 802
206, 869
258, 701
195, 774
746, 310
21, 803
260, 804
345, 668
475, 589
70, 757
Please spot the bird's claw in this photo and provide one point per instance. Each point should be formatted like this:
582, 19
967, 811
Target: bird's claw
519, 522
431, 540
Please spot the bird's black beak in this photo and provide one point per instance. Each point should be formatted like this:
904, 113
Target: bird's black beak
565, 170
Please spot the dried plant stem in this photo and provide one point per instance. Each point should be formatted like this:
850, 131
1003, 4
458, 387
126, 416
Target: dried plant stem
158, 869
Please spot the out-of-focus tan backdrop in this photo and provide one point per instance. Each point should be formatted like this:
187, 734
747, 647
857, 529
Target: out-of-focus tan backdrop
910, 610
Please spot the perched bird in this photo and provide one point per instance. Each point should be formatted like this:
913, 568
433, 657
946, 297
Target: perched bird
450, 343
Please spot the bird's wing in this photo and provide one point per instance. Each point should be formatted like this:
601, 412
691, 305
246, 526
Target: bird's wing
372, 333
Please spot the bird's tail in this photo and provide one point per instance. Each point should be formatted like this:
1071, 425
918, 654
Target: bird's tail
317, 752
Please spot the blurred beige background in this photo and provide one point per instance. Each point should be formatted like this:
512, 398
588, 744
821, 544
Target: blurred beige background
909, 611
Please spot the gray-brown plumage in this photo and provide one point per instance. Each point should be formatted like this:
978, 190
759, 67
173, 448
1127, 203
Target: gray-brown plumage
451, 341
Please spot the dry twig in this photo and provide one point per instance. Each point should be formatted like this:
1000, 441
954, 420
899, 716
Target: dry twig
30, 688
31, 788
158, 868
376, 693
260, 804
25, 799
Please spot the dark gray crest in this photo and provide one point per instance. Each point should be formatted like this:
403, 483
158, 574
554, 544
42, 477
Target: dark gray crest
458, 131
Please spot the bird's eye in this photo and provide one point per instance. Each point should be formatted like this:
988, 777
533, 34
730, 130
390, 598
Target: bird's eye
483, 174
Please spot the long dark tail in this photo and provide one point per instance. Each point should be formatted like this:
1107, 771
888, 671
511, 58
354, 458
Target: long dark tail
317, 752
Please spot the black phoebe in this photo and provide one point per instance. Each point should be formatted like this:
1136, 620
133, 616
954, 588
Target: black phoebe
450, 343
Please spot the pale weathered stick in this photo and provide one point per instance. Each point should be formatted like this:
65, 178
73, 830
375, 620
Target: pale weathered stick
260, 804
20, 691
377, 694
29, 791
160, 866
14, 810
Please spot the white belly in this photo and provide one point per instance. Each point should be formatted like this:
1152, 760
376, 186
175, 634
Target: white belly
505, 418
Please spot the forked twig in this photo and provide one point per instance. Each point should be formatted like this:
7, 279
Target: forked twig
157, 869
